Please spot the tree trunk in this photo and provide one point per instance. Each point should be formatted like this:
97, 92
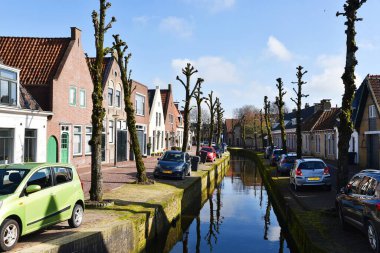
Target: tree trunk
346, 126
198, 127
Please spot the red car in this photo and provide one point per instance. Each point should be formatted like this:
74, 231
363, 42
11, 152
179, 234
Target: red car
211, 153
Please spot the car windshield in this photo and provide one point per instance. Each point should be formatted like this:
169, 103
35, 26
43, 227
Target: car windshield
174, 157
312, 165
206, 149
10, 179
278, 152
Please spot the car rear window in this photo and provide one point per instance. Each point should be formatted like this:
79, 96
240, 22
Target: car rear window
312, 165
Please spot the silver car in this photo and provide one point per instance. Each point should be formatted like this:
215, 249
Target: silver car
310, 172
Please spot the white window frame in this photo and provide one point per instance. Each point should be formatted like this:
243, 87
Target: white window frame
144, 101
118, 99
82, 91
74, 102
110, 131
371, 111
88, 134
80, 140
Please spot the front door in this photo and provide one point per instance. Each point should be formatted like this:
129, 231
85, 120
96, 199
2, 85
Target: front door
121, 145
64, 147
52, 150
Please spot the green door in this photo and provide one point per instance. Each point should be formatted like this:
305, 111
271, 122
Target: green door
64, 147
52, 150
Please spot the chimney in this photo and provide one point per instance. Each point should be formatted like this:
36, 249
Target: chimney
326, 104
157, 87
75, 33
169, 87
317, 107
307, 105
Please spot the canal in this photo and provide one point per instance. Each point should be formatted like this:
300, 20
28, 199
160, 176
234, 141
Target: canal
237, 217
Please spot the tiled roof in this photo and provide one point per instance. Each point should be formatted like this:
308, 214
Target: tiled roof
165, 100
230, 123
374, 82
37, 58
27, 101
309, 122
328, 120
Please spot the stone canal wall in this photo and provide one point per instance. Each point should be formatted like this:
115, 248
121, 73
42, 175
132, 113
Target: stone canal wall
140, 215
299, 234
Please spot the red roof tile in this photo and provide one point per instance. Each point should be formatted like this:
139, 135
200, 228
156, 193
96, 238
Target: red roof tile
327, 120
374, 82
37, 58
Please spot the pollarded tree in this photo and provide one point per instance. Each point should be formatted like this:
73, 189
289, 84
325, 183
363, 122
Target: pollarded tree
188, 71
199, 99
219, 120
98, 112
125, 75
211, 103
267, 120
298, 102
345, 127
261, 127
280, 105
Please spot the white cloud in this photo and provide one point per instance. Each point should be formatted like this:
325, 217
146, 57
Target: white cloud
212, 69
277, 48
177, 26
213, 5
141, 20
328, 83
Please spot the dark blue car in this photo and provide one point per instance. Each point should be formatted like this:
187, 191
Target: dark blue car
173, 164
286, 163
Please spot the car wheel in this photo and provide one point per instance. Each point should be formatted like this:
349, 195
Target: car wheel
10, 232
77, 216
372, 237
342, 220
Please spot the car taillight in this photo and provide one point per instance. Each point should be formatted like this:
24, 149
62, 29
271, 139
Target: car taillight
298, 172
326, 171
378, 207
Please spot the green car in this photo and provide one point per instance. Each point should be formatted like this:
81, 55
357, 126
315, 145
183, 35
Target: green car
36, 195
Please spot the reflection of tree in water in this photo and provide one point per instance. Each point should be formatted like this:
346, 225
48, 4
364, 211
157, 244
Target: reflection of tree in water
282, 239
261, 194
267, 220
211, 234
197, 247
219, 204
185, 241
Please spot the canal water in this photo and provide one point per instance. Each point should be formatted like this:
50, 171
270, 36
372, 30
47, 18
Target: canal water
238, 217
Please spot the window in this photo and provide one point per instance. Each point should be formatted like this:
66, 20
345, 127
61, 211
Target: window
77, 140
110, 96
82, 98
118, 98
8, 87
371, 111
88, 138
317, 143
6, 145
140, 105
62, 175
171, 118
156, 118
42, 178
30, 145
73, 96
110, 132
159, 119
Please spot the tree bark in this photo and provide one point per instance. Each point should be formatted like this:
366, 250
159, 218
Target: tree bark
267, 121
346, 127
280, 104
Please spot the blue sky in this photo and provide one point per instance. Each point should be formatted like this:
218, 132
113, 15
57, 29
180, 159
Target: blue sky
240, 47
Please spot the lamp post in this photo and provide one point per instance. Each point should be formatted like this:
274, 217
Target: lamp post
115, 116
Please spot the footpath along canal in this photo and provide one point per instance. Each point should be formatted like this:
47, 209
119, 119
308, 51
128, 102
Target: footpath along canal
237, 217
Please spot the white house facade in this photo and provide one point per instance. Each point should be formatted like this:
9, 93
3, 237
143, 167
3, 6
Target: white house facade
156, 122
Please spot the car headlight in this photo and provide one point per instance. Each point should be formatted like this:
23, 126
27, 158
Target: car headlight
178, 168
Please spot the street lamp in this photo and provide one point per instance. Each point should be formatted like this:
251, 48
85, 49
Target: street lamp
115, 116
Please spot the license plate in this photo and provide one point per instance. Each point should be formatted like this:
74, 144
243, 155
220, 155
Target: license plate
167, 172
313, 178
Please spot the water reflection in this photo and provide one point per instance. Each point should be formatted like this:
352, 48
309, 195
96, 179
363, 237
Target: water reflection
238, 211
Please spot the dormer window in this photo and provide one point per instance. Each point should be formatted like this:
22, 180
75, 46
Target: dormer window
8, 87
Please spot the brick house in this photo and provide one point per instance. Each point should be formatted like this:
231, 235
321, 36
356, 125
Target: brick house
22, 121
54, 71
173, 119
367, 122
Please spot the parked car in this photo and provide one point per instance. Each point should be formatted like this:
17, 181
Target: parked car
174, 164
286, 163
268, 151
209, 152
275, 156
37, 195
218, 151
310, 172
358, 204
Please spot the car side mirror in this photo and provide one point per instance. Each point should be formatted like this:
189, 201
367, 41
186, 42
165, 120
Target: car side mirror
33, 188
158, 159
